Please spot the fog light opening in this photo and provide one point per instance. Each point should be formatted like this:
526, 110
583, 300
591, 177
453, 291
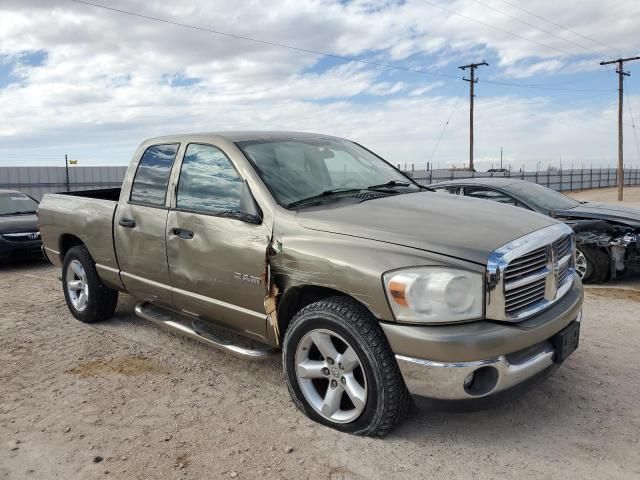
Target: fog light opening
468, 382
481, 381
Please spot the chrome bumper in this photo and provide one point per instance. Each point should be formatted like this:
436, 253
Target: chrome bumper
476, 379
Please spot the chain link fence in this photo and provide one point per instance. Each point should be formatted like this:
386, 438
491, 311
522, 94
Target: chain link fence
560, 180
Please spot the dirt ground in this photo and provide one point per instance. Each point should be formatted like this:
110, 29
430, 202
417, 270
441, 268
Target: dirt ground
631, 196
124, 399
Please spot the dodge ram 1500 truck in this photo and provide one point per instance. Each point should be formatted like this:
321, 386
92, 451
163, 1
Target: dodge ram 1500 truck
371, 286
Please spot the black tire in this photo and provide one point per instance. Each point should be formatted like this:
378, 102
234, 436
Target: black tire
387, 395
598, 264
101, 300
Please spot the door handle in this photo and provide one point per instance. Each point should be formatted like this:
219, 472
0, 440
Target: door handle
182, 233
127, 223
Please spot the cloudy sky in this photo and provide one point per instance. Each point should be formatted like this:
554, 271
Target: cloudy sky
93, 83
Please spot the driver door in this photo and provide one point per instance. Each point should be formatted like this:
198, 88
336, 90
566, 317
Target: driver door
216, 262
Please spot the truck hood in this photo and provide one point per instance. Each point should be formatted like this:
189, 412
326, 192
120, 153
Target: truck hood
602, 211
464, 228
18, 223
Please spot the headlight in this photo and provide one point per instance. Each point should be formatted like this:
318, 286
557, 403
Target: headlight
434, 294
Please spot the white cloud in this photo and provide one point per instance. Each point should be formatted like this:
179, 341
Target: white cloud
109, 80
426, 89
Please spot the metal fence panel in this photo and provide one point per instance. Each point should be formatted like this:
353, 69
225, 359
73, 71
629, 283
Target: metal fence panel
560, 180
36, 181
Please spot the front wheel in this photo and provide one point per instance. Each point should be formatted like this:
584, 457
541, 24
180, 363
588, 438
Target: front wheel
88, 299
592, 264
340, 369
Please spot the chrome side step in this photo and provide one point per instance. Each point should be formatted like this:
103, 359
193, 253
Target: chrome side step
217, 337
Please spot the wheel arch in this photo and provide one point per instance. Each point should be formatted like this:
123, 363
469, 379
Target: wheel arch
67, 242
295, 298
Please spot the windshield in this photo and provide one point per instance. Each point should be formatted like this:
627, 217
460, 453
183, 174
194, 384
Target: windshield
541, 197
299, 169
16, 203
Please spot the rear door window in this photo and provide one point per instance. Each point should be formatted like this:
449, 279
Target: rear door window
150, 183
208, 182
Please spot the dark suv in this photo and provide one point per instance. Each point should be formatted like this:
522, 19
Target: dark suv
19, 235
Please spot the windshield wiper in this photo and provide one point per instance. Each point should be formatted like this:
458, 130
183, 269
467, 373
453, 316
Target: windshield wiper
391, 183
326, 193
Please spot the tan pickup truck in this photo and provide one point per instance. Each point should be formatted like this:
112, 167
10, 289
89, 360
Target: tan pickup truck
372, 286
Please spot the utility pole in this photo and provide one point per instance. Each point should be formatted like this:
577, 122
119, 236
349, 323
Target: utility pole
66, 168
500, 158
472, 81
621, 74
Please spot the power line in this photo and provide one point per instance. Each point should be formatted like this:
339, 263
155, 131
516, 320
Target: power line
633, 123
543, 87
558, 25
317, 52
453, 12
265, 42
444, 128
537, 28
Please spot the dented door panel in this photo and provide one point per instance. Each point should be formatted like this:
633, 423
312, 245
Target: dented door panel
218, 273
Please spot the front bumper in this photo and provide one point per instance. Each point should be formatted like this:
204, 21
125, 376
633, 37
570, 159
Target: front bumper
477, 379
10, 249
501, 356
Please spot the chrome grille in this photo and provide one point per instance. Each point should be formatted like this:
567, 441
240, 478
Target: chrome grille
521, 297
563, 272
526, 265
530, 273
563, 246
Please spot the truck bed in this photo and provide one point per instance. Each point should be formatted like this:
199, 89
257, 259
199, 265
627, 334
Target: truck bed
87, 216
112, 194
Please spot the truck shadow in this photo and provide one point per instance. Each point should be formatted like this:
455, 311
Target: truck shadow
125, 323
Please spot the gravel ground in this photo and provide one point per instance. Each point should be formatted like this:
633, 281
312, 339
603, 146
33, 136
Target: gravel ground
631, 196
124, 399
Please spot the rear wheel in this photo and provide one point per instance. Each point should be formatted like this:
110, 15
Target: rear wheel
88, 299
340, 369
592, 264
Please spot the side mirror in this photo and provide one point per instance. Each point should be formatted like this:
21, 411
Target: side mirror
248, 205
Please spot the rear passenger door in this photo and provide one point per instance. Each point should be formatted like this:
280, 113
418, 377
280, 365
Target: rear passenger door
141, 224
216, 262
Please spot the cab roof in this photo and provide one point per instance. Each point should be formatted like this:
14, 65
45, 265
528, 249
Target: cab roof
239, 136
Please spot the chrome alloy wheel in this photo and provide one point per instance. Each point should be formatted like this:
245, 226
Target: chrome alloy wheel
331, 376
581, 264
77, 286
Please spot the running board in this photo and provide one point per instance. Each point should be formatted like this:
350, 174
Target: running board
218, 337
